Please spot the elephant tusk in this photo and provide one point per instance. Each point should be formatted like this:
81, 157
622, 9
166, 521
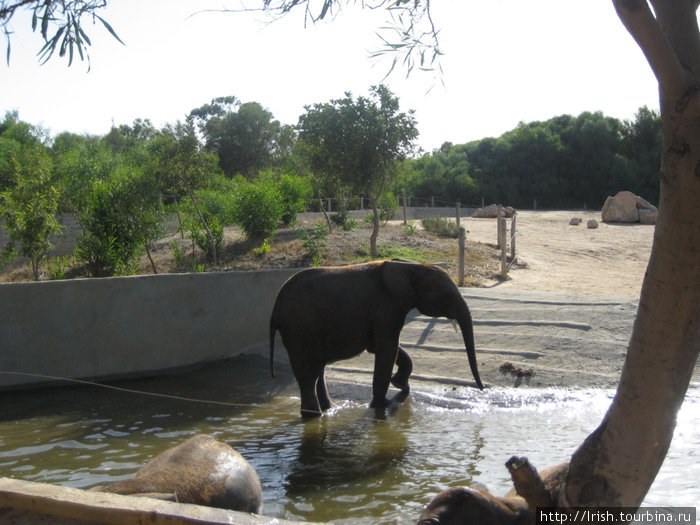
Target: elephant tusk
454, 324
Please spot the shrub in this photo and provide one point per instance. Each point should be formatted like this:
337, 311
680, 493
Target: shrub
441, 227
294, 193
258, 209
387, 207
121, 215
216, 206
313, 242
199, 235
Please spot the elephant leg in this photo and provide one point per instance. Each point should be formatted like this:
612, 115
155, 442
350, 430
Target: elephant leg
324, 399
307, 377
384, 359
405, 367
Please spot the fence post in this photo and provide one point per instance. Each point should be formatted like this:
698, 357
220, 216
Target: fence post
458, 211
460, 264
502, 234
329, 204
499, 217
512, 237
432, 202
404, 207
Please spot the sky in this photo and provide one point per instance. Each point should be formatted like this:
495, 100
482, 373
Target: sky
505, 62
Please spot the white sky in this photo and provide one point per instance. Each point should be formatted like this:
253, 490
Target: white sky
506, 61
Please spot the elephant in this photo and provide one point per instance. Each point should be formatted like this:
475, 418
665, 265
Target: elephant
477, 506
464, 506
328, 314
202, 471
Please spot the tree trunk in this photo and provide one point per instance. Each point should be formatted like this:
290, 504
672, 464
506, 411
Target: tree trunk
210, 237
320, 203
147, 245
374, 253
618, 462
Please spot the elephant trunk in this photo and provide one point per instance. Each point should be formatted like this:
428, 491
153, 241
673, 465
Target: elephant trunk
465, 324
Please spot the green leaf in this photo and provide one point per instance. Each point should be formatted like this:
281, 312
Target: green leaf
45, 22
109, 28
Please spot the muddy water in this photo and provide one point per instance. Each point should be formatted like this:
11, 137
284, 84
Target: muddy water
356, 465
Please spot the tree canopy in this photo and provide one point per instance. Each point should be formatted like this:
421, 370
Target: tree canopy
358, 142
243, 135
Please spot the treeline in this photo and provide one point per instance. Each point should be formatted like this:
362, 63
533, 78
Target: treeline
121, 186
232, 163
564, 162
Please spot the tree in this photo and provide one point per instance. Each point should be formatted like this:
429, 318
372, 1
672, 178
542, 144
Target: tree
181, 167
359, 142
642, 143
618, 462
29, 197
29, 207
243, 135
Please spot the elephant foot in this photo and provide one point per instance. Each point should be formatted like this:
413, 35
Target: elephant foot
401, 383
325, 407
380, 403
309, 414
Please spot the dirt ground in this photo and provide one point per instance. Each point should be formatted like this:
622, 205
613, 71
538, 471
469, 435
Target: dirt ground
559, 257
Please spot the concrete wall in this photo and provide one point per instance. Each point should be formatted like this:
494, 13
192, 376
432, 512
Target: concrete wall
125, 326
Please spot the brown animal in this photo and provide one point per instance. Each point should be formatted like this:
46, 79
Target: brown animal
468, 506
328, 314
202, 471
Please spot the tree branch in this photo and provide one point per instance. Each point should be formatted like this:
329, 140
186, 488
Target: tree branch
646, 31
685, 38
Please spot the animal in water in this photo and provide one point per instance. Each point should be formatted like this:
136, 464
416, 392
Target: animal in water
476, 506
202, 471
329, 314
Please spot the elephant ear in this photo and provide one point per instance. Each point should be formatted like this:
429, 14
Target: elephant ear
397, 278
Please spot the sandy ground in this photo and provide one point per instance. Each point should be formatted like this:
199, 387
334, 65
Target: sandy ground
611, 259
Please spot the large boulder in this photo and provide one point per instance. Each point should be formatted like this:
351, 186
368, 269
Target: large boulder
491, 212
628, 207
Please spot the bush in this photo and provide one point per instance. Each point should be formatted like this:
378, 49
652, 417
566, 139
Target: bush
387, 207
313, 242
216, 205
199, 235
121, 214
341, 219
294, 192
258, 209
441, 227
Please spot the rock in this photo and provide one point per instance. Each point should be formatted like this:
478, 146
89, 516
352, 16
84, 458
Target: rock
491, 212
647, 216
592, 224
628, 207
575, 221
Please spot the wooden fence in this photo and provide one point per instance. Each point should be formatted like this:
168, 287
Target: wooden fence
503, 242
